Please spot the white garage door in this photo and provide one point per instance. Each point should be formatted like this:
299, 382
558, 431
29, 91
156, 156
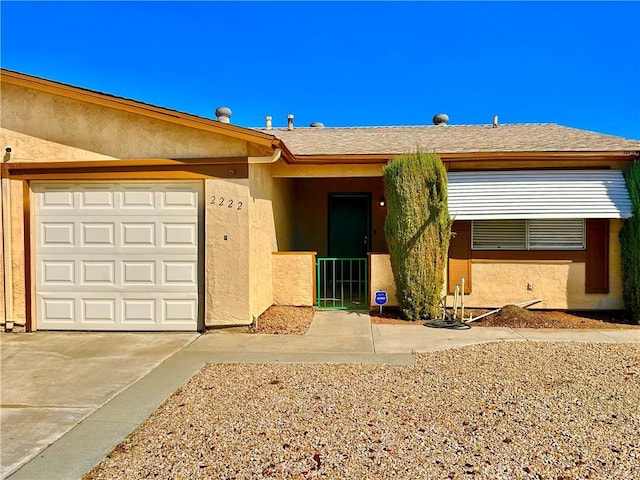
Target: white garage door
116, 256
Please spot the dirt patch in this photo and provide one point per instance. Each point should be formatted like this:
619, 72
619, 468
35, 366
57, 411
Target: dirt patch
284, 319
391, 316
517, 317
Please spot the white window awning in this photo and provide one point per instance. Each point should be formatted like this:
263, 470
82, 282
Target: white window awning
530, 194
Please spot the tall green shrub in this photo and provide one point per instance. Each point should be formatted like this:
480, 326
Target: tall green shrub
630, 246
418, 229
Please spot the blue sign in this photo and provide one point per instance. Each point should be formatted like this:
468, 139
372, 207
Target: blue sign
381, 298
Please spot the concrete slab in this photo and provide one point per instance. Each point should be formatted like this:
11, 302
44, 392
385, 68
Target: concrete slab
330, 332
243, 343
564, 335
627, 335
50, 381
42, 428
418, 338
307, 357
340, 323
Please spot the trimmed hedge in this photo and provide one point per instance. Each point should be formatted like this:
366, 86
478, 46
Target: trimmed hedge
417, 229
630, 247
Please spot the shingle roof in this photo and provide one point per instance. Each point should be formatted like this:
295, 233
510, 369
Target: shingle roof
449, 139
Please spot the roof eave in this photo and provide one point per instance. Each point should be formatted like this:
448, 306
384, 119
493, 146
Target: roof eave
131, 106
466, 156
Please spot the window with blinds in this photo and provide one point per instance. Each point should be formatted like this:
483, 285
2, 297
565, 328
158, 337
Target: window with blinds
565, 234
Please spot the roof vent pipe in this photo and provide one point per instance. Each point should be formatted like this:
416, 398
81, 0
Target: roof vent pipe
223, 114
268, 120
495, 121
440, 119
290, 122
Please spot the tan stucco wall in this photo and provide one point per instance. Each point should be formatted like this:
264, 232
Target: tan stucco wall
311, 215
28, 148
2, 302
285, 170
63, 128
293, 278
381, 278
227, 254
283, 212
560, 283
16, 278
262, 239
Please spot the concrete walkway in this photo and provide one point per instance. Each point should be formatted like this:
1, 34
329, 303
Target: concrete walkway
110, 383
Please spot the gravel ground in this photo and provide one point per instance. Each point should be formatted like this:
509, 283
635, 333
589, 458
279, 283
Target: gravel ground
496, 411
285, 320
516, 317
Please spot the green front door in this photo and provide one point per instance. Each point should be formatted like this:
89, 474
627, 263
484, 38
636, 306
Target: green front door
349, 225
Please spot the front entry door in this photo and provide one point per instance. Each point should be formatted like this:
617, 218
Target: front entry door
349, 225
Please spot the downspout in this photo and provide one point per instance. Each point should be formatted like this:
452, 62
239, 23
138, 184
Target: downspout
270, 159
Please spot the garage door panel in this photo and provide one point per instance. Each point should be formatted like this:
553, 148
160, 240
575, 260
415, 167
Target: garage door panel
56, 311
128, 273
179, 234
138, 197
57, 234
139, 310
56, 200
177, 200
179, 273
138, 235
97, 273
97, 198
138, 273
97, 234
178, 311
98, 311
120, 256
60, 273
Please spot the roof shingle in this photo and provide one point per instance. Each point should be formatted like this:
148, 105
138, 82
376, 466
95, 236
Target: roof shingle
396, 140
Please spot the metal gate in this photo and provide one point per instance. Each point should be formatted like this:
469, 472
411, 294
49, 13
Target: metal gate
343, 283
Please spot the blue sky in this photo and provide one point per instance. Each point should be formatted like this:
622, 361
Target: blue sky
344, 63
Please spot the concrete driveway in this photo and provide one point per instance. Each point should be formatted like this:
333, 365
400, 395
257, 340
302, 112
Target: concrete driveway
51, 381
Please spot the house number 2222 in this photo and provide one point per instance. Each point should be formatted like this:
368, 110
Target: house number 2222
221, 202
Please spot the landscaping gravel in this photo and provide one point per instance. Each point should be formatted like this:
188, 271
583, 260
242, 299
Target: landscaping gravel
284, 320
519, 410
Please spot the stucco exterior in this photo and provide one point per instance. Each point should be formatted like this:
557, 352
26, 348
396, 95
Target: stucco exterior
311, 225
254, 251
294, 278
99, 131
262, 241
14, 278
560, 283
2, 245
381, 278
226, 255
283, 170
84, 132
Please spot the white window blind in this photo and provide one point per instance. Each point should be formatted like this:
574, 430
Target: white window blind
556, 234
499, 235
